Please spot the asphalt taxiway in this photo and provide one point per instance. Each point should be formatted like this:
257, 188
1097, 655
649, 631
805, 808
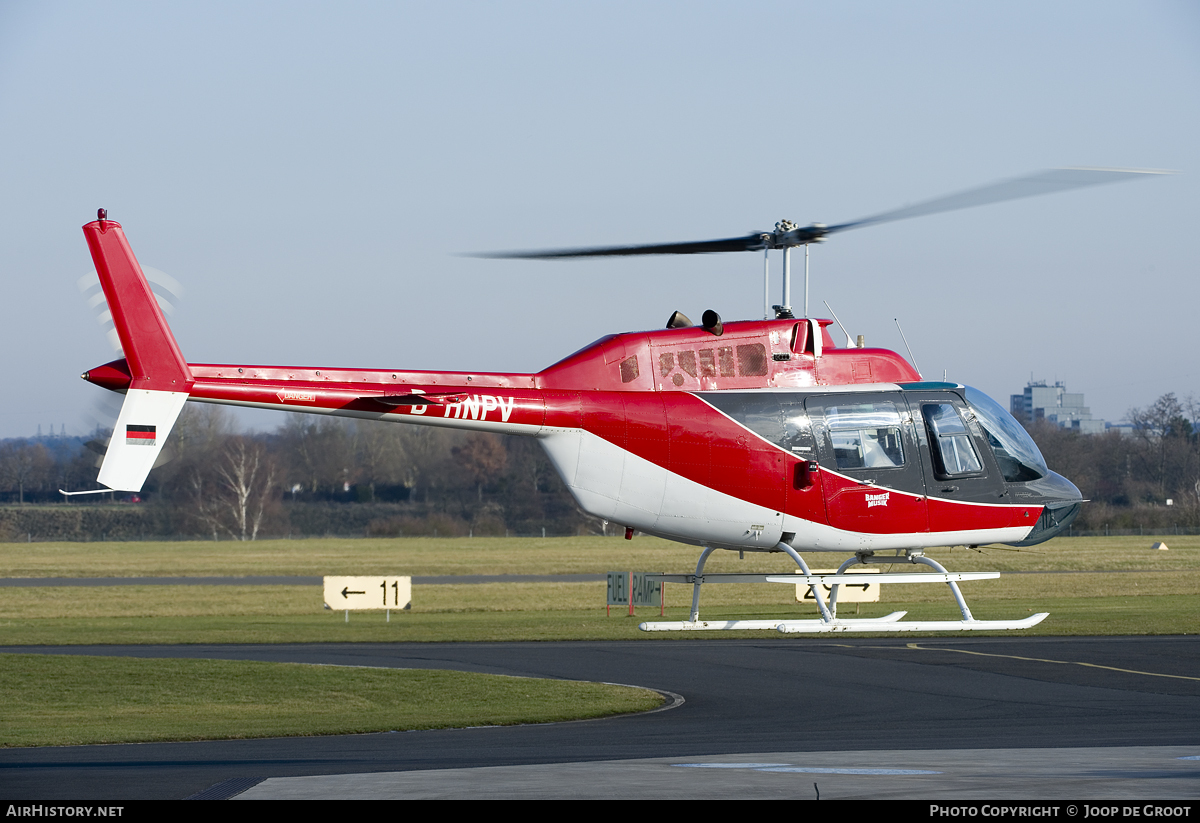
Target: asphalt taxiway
974, 717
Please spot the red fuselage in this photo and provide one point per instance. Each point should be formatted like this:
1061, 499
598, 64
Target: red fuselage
741, 437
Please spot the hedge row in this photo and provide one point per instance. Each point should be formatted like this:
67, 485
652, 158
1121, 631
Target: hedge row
310, 519
77, 523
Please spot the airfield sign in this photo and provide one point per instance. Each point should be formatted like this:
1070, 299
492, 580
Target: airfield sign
865, 592
358, 593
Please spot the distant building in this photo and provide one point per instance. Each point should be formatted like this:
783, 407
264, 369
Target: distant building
1056, 405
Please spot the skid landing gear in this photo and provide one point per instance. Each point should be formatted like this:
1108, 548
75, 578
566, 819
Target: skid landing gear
829, 621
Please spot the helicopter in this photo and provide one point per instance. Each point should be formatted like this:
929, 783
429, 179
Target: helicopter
756, 435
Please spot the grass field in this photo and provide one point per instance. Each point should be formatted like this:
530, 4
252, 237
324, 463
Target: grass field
1113, 585
1090, 586
519, 555
114, 699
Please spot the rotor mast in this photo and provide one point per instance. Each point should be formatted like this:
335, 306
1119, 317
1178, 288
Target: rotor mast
788, 235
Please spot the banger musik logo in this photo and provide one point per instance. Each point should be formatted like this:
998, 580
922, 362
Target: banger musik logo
877, 499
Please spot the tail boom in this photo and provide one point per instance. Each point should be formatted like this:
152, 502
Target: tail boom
501, 403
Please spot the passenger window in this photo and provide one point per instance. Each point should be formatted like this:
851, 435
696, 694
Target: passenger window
629, 369
951, 443
752, 360
725, 357
865, 435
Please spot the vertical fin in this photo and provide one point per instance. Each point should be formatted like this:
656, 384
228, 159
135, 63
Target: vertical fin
161, 377
150, 349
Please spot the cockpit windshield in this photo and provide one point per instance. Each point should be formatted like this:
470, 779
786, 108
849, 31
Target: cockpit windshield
1015, 450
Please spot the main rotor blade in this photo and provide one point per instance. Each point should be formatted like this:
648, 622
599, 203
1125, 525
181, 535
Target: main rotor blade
751, 242
1033, 185
787, 236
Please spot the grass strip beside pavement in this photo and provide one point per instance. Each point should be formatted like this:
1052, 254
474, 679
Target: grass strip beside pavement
60, 700
1110, 615
1090, 586
521, 555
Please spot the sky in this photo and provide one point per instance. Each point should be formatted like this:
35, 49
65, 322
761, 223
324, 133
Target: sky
314, 173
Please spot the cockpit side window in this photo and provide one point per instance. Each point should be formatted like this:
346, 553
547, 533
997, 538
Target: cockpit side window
951, 444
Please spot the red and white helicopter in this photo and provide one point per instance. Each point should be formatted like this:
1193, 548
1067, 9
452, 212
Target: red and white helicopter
759, 435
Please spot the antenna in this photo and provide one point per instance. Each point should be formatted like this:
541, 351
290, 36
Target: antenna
766, 284
806, 292
849, 342
787, 282
910, 354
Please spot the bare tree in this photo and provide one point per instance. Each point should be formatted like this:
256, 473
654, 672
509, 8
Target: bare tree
24, 465
234, 496
1169, 454
483, 457
319, 451
427, 450
380, 453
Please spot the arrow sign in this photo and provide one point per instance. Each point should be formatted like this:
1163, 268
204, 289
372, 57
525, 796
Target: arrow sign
354, 593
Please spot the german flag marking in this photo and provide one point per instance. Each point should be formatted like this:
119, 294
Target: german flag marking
139, 435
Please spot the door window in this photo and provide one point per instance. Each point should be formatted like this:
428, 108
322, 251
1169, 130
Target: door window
865, 435
953, 452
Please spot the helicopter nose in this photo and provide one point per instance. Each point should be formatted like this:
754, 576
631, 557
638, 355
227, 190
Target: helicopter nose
1061, 502
1054, 488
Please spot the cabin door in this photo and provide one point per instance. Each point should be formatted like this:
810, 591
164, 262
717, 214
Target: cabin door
959, 470
871, 470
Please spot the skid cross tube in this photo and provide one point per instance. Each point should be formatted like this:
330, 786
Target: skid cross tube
866, 558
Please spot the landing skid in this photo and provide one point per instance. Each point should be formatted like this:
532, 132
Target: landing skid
829, 621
